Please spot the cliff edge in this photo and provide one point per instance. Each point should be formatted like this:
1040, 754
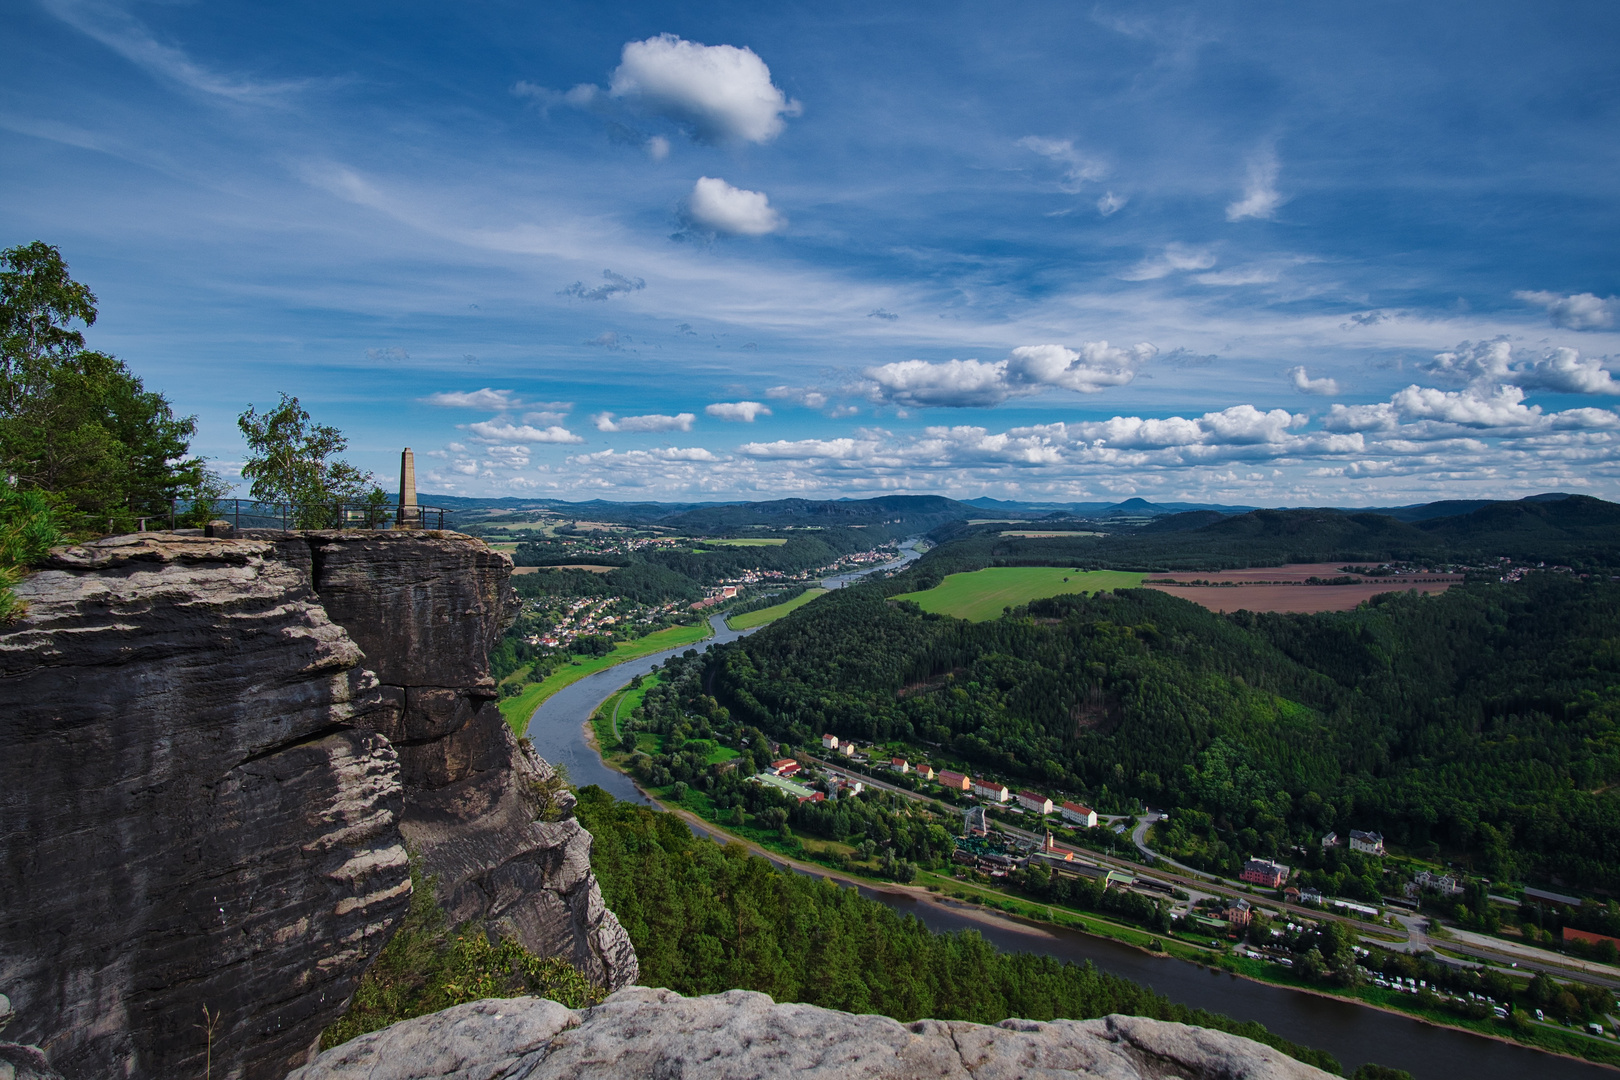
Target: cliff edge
642, 1034
207, 791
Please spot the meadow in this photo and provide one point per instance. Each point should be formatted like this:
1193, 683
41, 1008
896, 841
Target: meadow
751, 619
982, 594
749, 541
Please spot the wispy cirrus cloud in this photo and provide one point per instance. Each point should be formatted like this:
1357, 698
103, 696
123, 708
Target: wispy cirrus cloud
1260, 196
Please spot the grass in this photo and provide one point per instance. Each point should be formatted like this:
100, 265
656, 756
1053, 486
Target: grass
982, 594
752, 541
517, 710
771, 614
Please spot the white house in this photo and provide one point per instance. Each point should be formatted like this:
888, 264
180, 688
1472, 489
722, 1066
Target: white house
1369, 843
829, 742
1080, 815
900, 765
989, 789
1031, 800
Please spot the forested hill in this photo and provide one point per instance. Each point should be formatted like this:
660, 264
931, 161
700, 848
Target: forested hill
1577, 530
1485, 720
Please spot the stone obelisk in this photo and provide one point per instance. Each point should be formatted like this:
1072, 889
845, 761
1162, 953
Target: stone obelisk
409, 517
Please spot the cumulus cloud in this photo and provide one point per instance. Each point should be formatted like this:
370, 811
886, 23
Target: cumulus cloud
652, 422
803, 449
504, 431
1077, 167
1561, 370
609, 340
486, 399
1175, 257
1307, 385
737, 411
613, 285
1581, 311
716, 206
717, 93
807, 396
1260, 197
879, 313
1028, 369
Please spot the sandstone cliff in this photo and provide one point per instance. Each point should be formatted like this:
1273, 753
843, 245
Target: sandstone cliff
206, 791
641, 1034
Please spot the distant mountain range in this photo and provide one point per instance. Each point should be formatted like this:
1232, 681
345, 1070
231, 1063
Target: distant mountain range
927, 511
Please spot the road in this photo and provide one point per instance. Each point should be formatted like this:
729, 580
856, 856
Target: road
1474, 945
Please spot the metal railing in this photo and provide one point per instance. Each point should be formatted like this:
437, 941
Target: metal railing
256, 514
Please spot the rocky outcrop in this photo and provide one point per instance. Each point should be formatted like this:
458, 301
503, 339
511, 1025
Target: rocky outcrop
194, 811
207, 791
426, 608
642, 1034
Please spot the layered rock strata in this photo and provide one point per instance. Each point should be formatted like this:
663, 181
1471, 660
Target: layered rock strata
427, 608
642, 1034
206, 791
194, 811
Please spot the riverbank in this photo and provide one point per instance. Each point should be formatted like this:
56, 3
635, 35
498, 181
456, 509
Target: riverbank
518, 709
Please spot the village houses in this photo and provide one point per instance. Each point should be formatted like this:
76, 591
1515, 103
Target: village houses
1084, 816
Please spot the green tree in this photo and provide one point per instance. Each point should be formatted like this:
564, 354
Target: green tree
291, 460
77, 424
28, 529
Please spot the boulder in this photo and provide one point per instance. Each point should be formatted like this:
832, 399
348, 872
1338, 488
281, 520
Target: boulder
642, 1034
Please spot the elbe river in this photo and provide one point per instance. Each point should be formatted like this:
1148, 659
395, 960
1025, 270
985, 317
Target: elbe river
1352, 1033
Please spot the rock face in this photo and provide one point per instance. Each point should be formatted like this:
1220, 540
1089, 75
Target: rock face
641, 1034
206, 791
427, 608
192, 812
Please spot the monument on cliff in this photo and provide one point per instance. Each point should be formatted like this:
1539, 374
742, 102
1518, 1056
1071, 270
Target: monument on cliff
409, 515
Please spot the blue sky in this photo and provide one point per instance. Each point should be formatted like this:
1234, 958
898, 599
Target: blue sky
1272, 254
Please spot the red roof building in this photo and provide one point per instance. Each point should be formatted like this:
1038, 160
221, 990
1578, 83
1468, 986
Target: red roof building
953, 780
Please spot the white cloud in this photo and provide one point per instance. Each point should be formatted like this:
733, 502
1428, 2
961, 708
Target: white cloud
1176, 257
1581, 311
1260, 197
716, 206
651, 422
502, 431
719, 93
803, 449
486, 399
1028, 369
809, 397
1077, 167
1307, 385
1561, 369
737, 411
657, 147
1110, 204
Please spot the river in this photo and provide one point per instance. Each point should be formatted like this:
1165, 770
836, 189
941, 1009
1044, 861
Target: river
1352, 1033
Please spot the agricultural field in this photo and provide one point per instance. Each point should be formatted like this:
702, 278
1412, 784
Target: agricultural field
981, 595
749, 541
1294, 599
1284, 589
771, 614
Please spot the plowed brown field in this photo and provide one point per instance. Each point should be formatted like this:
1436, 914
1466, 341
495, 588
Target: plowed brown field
1283, 588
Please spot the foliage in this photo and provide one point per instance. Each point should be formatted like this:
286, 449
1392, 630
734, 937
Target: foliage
705, 918
1485, 720
28, 530
74, 423
425, 968
290, 460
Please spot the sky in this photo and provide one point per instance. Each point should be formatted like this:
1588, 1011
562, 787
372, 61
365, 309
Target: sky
1249, 253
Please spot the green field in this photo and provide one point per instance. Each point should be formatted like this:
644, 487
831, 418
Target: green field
982, 594
752, 541
517, 710
771, 614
